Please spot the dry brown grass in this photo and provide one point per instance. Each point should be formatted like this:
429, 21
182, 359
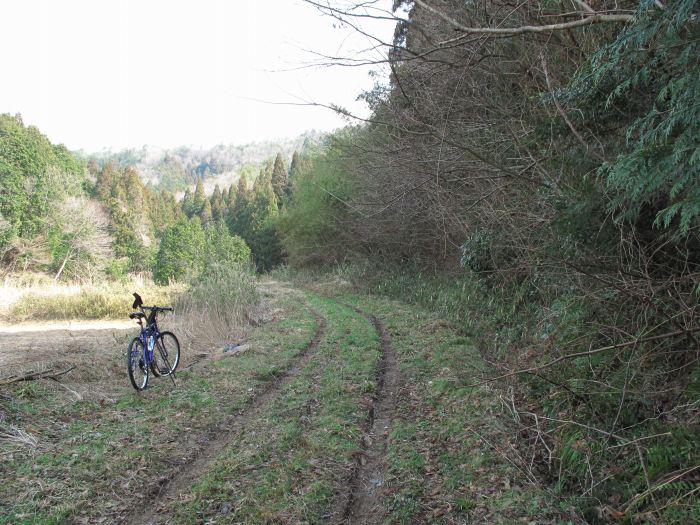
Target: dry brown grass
219, 308
49, 301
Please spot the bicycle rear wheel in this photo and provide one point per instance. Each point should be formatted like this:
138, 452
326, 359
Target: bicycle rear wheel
166, 354
138, 370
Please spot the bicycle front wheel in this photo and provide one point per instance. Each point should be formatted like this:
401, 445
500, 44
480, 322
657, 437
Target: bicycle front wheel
136, 365
166, 354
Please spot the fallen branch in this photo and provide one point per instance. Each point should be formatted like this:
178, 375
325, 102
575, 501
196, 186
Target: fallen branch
31, 376
16, 435
76, 394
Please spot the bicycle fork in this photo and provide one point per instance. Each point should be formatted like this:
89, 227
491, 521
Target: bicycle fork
163, 354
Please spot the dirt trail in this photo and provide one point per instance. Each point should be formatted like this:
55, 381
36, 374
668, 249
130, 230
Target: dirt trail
185, 475
363, 502
35, 343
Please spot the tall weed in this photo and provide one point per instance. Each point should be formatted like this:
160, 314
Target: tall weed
218, 305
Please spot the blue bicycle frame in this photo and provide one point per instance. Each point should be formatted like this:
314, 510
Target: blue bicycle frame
149, 335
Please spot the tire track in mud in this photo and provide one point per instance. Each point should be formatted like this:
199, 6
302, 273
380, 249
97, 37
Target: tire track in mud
183, 476
363, 502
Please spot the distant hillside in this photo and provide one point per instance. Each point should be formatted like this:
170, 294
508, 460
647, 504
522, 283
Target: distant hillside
176, 169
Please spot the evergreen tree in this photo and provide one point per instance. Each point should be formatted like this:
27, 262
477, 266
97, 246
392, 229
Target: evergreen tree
187, 204
127, 245
264, 177
299, 165
657, 167
172, 172
199, 198
231, 196
182, 252
35, 176
218, 204
216, 194
230, 203
239, 212
242, 188
295, 165
261, 233
224, 248
279, 179
226, 194
206, 213
105, 181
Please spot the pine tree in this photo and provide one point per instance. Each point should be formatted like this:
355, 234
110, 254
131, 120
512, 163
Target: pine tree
279, 179
218, 205
199, 198
187, 204
206, 213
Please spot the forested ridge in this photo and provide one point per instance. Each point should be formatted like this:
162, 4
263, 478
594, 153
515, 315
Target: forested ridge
531, 171
176, 169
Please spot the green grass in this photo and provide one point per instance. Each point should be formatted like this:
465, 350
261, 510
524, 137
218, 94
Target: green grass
96, 458
528, 322
288, 464
452, 451
449, 449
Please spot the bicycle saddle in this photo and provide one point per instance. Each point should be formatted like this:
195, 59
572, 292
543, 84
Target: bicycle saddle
136, 315
137, 301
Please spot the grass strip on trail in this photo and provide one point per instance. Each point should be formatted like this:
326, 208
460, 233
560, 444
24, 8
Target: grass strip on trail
288, 465
229, 429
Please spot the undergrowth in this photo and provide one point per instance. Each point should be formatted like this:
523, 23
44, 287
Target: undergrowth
617, 426
218, 304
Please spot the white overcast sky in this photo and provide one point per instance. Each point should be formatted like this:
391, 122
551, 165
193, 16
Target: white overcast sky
124, 73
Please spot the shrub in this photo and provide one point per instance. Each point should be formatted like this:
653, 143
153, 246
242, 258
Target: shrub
181, 253
225, 249
218, 304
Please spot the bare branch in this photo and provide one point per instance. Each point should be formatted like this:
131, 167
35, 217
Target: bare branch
595, 18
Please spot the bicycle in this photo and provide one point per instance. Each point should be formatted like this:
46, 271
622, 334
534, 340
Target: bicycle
141, 356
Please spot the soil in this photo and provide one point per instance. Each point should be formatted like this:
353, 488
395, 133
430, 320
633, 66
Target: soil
33, 344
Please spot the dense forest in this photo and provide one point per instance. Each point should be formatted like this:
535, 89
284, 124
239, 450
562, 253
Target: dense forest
79, 221
531, 170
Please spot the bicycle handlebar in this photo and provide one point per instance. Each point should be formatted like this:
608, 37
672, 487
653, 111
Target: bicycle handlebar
159, 308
